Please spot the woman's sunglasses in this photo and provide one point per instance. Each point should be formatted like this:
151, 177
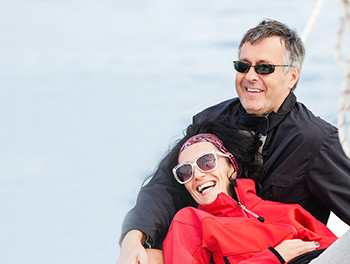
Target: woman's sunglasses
206, 162
262, 69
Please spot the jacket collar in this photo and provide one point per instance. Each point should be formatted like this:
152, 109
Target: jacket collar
263, 124
224, 205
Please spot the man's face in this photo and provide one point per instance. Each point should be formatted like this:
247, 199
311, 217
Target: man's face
260, 94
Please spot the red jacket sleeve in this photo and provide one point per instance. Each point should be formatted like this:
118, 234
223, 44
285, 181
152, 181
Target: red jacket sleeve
183, 243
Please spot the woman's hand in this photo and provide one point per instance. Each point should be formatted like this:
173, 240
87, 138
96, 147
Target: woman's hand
291, 248
132, 251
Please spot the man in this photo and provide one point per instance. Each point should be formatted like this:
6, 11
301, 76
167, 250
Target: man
301, 153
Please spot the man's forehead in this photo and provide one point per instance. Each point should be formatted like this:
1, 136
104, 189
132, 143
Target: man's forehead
257, 41
265, 50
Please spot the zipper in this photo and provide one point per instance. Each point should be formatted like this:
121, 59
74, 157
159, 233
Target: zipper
245, 209
268, 123
262, 140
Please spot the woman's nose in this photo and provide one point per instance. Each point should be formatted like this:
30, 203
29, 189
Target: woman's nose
197, 173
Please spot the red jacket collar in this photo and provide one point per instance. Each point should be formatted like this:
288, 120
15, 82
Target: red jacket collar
225, 205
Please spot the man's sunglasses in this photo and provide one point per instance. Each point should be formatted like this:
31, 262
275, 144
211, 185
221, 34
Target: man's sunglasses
262, 69
206, 162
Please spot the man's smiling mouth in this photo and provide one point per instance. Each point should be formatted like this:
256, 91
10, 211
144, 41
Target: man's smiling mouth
254, 90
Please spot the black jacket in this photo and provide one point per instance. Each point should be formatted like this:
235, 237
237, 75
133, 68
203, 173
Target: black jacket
302, 156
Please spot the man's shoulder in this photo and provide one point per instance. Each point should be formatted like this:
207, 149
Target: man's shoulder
296, 114
306, 118
224, 108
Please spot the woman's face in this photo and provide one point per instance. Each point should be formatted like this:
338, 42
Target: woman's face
205, 186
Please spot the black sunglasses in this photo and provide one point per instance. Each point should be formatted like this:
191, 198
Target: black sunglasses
262, 69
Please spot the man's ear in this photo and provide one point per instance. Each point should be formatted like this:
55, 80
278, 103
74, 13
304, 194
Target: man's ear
294, 77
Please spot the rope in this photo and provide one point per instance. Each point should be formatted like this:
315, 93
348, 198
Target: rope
344, 103
312, 19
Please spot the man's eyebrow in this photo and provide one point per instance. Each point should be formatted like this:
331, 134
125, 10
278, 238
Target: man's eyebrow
258, 62
245, 60
263, 61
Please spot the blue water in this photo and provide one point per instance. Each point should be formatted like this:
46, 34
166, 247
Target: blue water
93, 92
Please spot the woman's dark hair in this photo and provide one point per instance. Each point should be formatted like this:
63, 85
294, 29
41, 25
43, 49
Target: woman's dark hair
243, 145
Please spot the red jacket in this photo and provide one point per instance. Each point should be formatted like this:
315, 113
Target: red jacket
225, 233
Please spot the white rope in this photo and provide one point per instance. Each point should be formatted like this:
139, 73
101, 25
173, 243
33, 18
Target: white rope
312, 19
344, 103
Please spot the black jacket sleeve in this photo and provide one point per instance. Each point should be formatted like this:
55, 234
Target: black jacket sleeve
157, 203
328, 177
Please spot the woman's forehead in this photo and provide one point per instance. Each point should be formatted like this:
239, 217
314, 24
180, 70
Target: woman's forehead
191, 153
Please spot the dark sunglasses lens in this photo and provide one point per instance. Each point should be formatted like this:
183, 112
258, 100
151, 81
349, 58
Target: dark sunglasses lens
264, 69
184, 172
241, 66
207, 162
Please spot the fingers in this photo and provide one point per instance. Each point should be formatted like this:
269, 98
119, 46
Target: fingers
133, 258
132, 251
289, 249
304, 247
142, 258
155, 256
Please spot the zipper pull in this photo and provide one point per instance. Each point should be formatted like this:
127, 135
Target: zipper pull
261, 219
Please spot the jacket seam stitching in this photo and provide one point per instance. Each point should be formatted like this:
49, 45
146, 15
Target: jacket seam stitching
317, 151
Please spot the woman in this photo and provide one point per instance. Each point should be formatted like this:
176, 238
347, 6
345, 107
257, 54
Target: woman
232, 224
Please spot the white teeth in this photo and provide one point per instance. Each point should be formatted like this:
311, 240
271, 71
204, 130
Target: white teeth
205, 185
254, 90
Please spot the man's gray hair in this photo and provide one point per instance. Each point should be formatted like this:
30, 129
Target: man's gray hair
295, 51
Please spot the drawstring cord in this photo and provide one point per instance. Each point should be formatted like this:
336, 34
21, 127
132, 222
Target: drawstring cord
261, 219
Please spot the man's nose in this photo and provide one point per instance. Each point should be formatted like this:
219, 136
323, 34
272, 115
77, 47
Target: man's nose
251, 75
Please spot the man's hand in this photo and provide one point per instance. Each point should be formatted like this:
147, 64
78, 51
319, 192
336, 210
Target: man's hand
132, 251
291, 248
155, 256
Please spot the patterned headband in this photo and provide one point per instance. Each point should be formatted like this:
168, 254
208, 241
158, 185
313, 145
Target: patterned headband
211, 138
